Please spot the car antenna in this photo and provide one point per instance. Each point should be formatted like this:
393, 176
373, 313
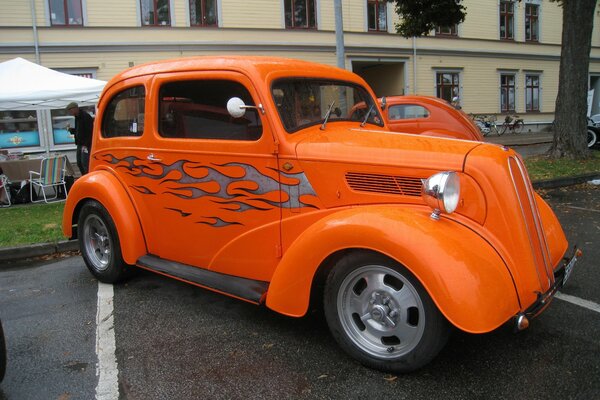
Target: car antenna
327, 114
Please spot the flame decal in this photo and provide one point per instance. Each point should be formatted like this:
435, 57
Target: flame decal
236, 187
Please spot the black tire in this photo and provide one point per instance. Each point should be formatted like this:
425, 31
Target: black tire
592, 138
99, 244
367, 317
519, 125
2, 353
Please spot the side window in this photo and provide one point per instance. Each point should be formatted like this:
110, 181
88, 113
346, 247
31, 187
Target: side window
407, 111
124, 115
198, 110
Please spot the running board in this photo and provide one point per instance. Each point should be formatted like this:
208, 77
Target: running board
242, 288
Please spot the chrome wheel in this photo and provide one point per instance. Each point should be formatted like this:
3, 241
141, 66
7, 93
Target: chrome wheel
97, 242
381, 311
591, 138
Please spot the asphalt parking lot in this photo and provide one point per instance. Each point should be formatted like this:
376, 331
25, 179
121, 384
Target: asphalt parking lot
173, 340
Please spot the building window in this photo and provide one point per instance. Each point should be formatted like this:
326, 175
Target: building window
447, 30
377, 15
300, 14
19, 129
507, 19
532, 93
447, 85
155, 13
66, 13
507, 92
203, 13
532, 13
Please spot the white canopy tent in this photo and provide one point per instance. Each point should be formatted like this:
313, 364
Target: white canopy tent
28, 86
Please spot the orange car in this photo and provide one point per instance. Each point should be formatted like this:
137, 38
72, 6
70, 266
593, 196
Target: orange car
428, 116
246, 176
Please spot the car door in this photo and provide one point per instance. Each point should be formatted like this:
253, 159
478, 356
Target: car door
206, 186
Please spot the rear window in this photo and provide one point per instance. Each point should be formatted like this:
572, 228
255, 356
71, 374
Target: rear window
124, 115
197, 109
407, 111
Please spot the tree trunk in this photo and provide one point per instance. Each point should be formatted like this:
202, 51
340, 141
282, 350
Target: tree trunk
570, 133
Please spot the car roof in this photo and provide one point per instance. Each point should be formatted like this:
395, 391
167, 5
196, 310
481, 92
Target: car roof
251, 65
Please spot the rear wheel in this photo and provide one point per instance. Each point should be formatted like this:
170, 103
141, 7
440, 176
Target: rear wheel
99, 244
381, 315
519, 126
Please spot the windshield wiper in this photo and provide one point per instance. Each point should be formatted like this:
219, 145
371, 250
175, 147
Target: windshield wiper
367, 116
327, 114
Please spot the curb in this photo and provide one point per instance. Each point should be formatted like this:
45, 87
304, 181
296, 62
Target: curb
37, 250
569, 181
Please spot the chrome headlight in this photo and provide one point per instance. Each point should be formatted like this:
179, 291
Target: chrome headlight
441, 192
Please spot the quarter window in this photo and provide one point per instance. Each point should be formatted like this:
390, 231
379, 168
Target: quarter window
447, 85
203, 13
377, 15
155, 12
507, 92
66, 13
407, 111
198, 110
507, 20
300, 14
531, 22
532, 93
124, 115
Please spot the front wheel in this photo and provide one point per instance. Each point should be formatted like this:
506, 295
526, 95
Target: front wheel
99, 244
2, 353
381, 315
503, 129
592, 138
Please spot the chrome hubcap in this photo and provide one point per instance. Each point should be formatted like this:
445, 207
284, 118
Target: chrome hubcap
97, 242
381, 311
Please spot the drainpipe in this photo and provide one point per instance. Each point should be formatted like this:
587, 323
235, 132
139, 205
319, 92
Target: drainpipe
414, 43
35, 32
339, 34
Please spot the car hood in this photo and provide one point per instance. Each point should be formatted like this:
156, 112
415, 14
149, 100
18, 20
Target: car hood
380, 147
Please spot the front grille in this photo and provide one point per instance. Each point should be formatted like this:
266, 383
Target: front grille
385, 184
531, 216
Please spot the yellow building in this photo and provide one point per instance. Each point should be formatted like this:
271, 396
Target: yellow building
504, 59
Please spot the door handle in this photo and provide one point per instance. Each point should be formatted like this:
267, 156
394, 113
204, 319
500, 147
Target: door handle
152, 158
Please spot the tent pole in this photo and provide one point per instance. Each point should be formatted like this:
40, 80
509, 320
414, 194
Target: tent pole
36, 44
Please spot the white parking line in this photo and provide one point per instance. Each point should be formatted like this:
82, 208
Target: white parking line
107, 371
590, 305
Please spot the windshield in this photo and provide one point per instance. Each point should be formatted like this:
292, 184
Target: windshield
304, 102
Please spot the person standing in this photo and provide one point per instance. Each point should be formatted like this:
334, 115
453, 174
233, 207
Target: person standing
84, 126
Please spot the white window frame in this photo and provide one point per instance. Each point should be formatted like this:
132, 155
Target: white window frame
539, 75
515, 73
458, 71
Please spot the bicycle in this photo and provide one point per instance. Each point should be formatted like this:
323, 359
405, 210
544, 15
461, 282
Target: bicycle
485, 123
514, 124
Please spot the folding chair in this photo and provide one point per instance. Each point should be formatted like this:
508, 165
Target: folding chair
51, 175
4, 185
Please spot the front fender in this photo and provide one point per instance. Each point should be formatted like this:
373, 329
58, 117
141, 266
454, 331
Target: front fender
463, 274
105, 188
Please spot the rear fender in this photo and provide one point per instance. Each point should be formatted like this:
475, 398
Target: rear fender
463, 274
106, 189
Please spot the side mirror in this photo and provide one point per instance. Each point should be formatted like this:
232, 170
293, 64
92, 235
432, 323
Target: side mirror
383, 103
236, 107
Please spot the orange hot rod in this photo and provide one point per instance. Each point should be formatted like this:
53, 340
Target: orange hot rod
261, 179
428, 115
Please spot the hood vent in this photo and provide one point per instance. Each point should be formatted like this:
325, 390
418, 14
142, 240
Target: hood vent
385, 184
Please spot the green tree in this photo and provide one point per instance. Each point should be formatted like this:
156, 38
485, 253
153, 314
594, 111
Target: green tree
419, 17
